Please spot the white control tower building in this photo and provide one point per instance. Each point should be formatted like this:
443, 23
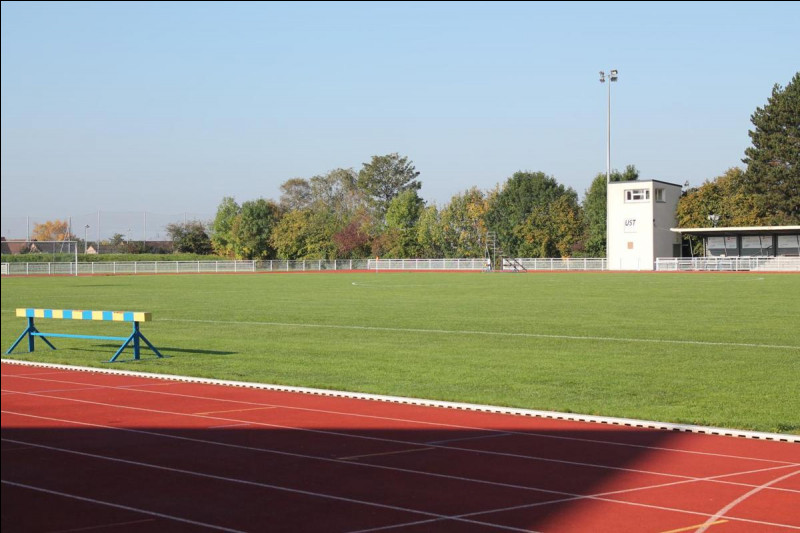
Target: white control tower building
640, 215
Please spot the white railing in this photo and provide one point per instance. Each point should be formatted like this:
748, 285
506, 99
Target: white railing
310, 265
183, 267
572, 263
728, 264
127, 267
668, 264
426, 264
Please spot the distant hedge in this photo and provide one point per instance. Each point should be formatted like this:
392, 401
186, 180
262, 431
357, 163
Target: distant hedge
96, 258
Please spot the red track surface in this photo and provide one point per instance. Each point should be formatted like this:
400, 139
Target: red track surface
87, 451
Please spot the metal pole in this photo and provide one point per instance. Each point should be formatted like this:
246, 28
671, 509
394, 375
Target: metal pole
612, 77
608, 137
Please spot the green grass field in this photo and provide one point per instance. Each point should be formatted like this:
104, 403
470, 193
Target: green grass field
711, 349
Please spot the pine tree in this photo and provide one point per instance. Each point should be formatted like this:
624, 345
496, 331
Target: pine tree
773, 162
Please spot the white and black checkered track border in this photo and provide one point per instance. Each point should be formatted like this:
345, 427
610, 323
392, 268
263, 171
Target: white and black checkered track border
629, 422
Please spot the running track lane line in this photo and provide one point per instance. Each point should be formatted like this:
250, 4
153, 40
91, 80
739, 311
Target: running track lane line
378, 439
265, 485
120, 506
357, 415
742, 498
569, 496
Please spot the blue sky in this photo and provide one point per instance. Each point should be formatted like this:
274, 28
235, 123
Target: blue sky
168, 107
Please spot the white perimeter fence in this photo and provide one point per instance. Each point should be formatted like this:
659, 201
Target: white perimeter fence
729, 264
186, 267
720, 264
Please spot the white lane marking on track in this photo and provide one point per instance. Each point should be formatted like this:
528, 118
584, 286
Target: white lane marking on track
488, 333
358, 437
722, 512
569, 496
436, 516
682, 478
425, 423
118, 506
263, 485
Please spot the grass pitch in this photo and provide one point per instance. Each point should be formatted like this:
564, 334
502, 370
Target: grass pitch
712, 349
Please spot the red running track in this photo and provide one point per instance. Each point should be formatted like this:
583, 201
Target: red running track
86, 451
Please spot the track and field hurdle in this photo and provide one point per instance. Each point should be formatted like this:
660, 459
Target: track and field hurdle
74, 314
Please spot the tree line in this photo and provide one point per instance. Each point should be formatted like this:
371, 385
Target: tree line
377, 211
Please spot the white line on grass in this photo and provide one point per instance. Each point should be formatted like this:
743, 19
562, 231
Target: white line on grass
478, 332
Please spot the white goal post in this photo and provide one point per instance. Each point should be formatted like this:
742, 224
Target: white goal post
63, 255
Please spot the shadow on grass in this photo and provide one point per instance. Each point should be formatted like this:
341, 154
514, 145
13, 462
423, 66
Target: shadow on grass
165, 349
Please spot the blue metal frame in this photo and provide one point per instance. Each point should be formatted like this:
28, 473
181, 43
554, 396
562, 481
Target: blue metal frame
134, 337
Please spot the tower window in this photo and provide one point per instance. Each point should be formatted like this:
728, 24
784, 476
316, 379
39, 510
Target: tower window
637, 195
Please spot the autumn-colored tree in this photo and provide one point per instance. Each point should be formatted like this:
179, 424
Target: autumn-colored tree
353, 241
52, 230
552, 230
463, 223
722, 197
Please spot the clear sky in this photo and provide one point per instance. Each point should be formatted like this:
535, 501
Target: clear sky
168, 107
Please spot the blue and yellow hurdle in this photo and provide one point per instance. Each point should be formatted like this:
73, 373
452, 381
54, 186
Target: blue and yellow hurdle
134, 317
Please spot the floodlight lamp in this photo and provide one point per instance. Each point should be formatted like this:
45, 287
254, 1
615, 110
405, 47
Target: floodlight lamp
614, 72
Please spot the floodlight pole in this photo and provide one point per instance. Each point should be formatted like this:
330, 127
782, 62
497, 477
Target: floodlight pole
85, 237
612, 76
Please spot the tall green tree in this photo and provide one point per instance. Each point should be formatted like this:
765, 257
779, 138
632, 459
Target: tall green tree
253, 227
386, 176
517, 199
222, 237
594, 210
401, 219
430, 234
190, 237
773, 162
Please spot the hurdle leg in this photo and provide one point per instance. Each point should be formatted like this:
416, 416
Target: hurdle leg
30, 329
127, 342
150, 345
135, 337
